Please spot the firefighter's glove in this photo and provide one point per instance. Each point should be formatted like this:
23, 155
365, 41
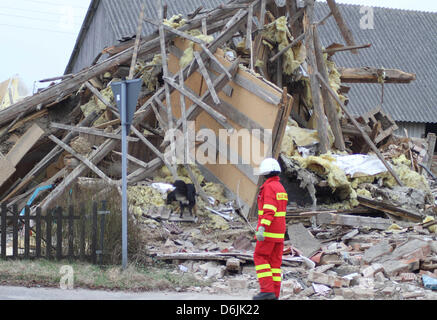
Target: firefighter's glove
260, 234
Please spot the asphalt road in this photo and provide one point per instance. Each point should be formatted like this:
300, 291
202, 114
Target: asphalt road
22, 293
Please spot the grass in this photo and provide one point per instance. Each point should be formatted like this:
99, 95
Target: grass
44, 273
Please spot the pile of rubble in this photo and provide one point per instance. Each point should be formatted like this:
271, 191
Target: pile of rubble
361, 217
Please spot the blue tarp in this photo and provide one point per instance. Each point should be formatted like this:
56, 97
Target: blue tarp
429, 282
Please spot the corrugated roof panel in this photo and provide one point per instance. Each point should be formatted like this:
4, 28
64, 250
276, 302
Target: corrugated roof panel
400, 39
124, 14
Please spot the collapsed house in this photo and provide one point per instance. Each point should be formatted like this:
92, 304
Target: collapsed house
255, 65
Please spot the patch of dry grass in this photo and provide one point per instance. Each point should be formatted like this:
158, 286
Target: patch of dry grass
134, 278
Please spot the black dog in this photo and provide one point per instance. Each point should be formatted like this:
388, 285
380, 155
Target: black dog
185, 194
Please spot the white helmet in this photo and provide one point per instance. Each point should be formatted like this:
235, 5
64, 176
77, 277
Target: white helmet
269, 165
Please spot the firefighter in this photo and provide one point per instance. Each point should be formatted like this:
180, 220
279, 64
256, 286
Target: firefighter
270, 232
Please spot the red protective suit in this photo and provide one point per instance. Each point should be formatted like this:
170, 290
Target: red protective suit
272, 207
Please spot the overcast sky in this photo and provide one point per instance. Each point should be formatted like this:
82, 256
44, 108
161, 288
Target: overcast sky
38, 36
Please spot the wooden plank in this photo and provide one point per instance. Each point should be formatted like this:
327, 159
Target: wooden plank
137, 41
94, 234
3, 229
15, 214
249, 43
70, 232
330, 108
352, 221
82, 231
370, 75
342, 25
186, 155
38, 233
164, 64
49, 221
59, 219
26, 142
346, 48
205, 75
289, 46
322, 129
390, 208
26, 232
91, 131
84, 160
431, 140
7, 170
363, 133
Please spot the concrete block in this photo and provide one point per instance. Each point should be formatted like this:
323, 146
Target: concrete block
347, 293
233, 265
238, 284
303, 240
328, 280
363, 293
389, 291
291, 286
394, 267
414, 249
379, 277
433, 246
377, 251
371, 270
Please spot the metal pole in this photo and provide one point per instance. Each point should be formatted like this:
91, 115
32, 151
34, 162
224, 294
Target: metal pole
124, 173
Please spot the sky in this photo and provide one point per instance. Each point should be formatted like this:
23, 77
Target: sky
38, 36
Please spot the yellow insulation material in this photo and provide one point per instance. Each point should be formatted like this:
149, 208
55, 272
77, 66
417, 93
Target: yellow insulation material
188, 55
410, 178
175, 21
432, 228
143, 197
277, 32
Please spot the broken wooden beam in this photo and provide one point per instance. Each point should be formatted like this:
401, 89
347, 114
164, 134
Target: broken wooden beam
330, 108
322, 129
90, 131
370, 75
331, 51
389, 208
344, 28
207, 78
291, 45
137, 41
363, 133
84, 160
353, 221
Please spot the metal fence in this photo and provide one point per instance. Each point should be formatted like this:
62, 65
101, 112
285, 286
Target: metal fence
71, 233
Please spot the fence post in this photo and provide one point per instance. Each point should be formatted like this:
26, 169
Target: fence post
38, 233
94, 234
15, 231
26, 232
3, 229
70, 232
58, 233
82, 231
49, 220
102, 213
